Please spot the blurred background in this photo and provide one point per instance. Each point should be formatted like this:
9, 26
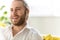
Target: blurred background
44, 15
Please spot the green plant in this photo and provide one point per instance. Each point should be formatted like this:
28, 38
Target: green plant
4, 17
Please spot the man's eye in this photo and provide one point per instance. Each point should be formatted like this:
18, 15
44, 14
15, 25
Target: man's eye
11, 10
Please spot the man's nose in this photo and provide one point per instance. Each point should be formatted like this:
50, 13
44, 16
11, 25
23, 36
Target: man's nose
14, 12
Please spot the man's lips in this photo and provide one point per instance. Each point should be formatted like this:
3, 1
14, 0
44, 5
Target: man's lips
14, 18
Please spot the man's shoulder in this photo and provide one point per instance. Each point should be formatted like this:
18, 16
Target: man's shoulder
32, 31
34, 34
5, 30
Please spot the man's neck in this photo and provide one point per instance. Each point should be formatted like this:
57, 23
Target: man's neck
16, 29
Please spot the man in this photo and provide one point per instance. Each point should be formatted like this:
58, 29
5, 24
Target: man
19, 30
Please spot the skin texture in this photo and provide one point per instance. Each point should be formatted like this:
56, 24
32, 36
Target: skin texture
18, 16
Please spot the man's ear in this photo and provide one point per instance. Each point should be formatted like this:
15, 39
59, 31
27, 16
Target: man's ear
27, 13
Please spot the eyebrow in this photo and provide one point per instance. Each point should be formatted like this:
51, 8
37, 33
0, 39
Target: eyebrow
18, 7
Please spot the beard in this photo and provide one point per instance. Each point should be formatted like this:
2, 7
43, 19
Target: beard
20, 21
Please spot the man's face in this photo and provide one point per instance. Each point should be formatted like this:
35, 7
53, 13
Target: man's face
18, 13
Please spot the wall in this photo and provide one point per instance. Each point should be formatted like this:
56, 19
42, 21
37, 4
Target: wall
46, 25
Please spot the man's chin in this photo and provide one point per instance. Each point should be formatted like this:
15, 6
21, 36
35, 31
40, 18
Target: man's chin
14, 23
17, 24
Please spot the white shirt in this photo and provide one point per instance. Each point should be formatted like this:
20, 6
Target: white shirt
25, 34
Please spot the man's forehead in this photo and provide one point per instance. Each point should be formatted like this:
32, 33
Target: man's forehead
18, 0
17, 3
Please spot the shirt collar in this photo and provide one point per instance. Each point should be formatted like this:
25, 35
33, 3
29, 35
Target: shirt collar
10, 28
